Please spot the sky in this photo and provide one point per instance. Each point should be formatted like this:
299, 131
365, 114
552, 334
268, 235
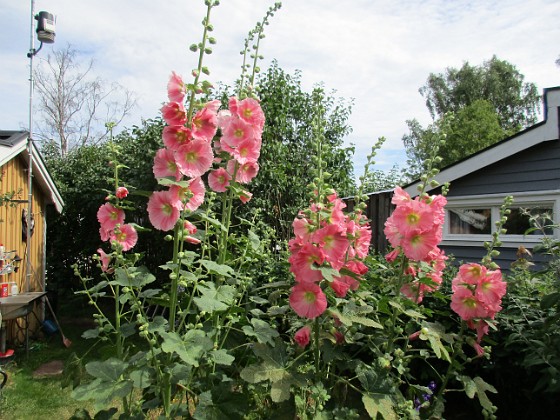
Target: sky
377, 53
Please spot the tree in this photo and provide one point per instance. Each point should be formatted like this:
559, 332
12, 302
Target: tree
473, 107
516, 102
75, 105
281, 188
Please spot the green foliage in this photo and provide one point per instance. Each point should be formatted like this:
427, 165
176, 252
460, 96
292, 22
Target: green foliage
515, 102
280, 189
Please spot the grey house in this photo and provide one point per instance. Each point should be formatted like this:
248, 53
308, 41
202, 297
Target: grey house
525, 166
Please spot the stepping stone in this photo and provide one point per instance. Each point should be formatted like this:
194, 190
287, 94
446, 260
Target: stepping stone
49, 370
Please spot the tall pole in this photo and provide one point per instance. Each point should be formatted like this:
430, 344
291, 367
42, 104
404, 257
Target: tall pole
28, 270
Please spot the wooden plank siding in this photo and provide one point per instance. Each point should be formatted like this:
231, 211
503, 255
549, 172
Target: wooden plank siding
379, 208
11, 229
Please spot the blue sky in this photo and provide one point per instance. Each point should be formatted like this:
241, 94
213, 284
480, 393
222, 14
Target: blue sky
376, 52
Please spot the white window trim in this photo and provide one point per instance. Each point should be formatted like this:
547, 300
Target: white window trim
494, 201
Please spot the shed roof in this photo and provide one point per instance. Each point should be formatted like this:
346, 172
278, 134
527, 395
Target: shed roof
14, 143
546, 130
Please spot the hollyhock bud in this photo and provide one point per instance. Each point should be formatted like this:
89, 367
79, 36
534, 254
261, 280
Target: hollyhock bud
121, 193
303, 336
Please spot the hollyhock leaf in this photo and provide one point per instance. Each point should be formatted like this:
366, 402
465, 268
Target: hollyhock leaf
470, 386
258, 300
157, 324
254, 240
262, 331
220, 269
277, 310
280, 390
168, 182
133, 277
189, 348
93, 333
141, 378
379, 404
481, 388
213, 299
108, 370
214, 222
222, 357
414, 314
329, 274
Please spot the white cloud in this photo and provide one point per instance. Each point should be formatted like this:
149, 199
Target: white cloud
378, 52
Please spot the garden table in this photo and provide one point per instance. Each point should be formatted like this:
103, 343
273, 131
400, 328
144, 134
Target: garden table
16, 306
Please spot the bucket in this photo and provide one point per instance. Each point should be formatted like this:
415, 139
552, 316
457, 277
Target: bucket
4, 290
49, 327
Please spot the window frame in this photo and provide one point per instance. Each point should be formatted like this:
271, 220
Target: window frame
494, 202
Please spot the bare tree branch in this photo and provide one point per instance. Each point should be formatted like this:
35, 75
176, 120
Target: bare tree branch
72, 101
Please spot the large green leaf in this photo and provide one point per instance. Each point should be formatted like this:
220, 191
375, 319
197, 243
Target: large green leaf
263, 332
109, 370
189, 348
379, 404
133, 277
214, 268
213, 299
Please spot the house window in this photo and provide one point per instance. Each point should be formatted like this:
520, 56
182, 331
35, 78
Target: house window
472, 220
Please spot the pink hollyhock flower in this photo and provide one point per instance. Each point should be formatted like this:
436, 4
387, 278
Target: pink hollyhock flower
491, 289
176, 88
122, 192
352, 283
174, 113
413, 216
191, 197
125, 235
356, 267
400, 197
204, 125
188, 230
109, 216
235, 132
478, 348
333, 243
393, 255
246, 152
175, 136
470, 273
466, 305
213, 106
308, 300
163, 210
105, 260
245, 173
218, 180
304, 261
481, 327
392, 233
165, 166
250, 111
339, 337
303, 228
104, 234
194, 158
303, 336
417, 245
362, 237
245, 196
340, 288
